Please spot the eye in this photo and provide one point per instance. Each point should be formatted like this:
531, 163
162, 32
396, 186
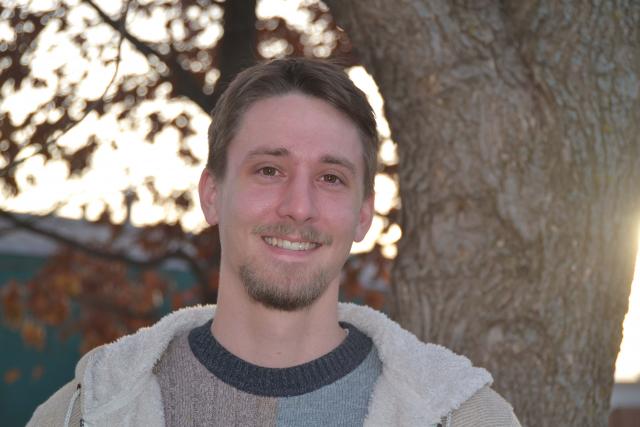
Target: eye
268, 171
331, 179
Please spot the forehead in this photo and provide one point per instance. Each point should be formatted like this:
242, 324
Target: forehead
306, 127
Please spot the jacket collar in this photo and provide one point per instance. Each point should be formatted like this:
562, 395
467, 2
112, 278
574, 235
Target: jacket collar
420, 383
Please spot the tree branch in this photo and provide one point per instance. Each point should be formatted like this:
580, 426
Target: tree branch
188, 87
198, 270
91, 107
90, 249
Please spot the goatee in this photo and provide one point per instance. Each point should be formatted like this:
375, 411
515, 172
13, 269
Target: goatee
291, 296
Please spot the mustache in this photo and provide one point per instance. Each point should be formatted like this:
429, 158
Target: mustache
283, 230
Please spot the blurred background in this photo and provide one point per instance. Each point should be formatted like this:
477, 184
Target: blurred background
103, 118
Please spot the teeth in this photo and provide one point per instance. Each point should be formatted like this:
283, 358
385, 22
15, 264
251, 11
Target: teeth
292, 246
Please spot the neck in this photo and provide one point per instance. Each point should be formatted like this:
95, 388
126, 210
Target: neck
273, 338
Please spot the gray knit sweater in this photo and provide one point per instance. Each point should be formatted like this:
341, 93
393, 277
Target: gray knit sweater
204, 384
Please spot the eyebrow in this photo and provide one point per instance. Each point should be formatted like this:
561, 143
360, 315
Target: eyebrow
340, 161
262, 151
283, 152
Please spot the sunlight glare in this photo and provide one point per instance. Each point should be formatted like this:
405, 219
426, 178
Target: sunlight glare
628, 363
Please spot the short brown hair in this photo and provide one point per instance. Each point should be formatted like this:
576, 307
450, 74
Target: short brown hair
320, 79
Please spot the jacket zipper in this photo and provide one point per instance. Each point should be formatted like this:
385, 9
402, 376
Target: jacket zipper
74, 397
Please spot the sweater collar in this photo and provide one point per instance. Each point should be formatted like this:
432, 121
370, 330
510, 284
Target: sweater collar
279, 382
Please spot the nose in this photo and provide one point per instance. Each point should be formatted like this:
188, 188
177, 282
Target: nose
298, 200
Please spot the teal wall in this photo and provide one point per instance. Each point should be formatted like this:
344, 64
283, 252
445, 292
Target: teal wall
19, 399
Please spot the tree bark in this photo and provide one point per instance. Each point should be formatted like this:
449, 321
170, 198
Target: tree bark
517, 127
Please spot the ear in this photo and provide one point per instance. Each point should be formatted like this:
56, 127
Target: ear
365, 217
208, 192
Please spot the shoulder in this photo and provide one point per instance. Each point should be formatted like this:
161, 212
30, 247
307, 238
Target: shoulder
484, 408
119, 367
54, 411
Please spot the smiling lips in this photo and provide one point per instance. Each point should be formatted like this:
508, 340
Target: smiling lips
288, 236
292, 246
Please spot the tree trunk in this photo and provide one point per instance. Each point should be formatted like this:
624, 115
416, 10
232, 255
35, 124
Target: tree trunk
238, 44
517, 127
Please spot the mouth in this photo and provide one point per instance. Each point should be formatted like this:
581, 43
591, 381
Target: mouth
289, 245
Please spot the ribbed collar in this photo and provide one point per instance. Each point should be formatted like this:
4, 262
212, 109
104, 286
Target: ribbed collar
279, 382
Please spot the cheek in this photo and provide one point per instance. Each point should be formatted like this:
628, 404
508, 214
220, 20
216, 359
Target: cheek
257, 204
246, 210
343, 218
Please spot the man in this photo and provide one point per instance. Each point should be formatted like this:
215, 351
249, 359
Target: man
289, 182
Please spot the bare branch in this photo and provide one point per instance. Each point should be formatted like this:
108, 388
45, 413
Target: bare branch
90, 249
188, 87
199, 271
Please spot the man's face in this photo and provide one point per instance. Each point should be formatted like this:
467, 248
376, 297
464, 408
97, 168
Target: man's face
291, 202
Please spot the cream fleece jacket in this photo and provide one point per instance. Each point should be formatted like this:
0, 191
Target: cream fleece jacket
420, 385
